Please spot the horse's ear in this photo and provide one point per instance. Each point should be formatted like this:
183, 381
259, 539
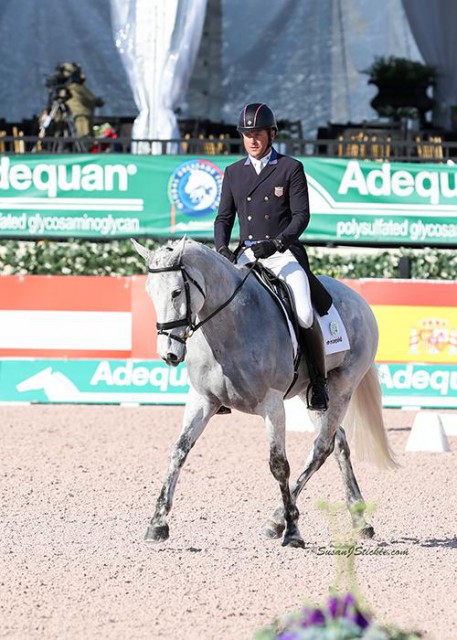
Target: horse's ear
144, 253
180, 246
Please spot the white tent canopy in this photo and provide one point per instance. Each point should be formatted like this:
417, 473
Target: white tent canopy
206, 58
158, 43
305, 58
434, 28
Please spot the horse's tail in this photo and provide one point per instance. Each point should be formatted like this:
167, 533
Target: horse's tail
365, 424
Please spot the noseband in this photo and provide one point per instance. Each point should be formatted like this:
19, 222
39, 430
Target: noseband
163, 328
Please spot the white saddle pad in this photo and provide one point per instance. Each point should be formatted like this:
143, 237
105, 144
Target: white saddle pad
334, 332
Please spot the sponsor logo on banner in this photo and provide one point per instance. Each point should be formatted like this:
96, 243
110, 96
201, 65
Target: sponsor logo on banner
418, 385
55, 196
51, 179
433, 336
93, 381
194, 188
118, 195
152, 382
402, 202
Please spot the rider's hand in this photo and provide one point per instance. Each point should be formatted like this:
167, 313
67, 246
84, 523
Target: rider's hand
264, 249
225, 251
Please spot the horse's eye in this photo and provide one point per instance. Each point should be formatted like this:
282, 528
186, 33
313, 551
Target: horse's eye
176, 293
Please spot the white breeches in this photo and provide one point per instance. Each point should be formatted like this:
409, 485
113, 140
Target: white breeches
286, 267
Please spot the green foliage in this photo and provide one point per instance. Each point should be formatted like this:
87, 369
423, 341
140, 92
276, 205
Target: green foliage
393, 69
118, 257
75, 257
426, 264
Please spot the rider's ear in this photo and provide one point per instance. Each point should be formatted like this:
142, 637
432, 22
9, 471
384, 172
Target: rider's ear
144, 253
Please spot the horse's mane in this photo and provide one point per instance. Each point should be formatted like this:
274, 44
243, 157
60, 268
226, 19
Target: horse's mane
170, 254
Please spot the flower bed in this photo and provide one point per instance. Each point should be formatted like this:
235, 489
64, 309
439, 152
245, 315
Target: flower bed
340, 619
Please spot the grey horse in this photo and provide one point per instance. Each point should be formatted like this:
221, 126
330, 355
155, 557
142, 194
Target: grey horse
239, 354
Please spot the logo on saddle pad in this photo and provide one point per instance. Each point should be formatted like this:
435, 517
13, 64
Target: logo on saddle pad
334, 332
334, 328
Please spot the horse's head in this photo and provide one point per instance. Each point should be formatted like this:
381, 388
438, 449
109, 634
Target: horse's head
177, 291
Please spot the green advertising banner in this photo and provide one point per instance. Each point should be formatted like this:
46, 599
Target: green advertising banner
92, 382
103, 196
418, 385
153, 382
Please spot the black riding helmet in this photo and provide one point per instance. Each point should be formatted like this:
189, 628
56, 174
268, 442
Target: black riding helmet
255, 117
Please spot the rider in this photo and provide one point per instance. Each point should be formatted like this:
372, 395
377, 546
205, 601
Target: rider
269, 192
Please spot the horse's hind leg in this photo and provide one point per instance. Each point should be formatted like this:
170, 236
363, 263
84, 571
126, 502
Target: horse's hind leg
322, 448
274, 416
196, 416
354, 498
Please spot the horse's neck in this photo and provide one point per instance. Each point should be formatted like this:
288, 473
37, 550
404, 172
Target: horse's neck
220, 279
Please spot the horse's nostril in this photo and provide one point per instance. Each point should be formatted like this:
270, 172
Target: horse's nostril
172, 357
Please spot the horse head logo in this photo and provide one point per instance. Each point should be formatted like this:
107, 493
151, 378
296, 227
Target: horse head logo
195, 188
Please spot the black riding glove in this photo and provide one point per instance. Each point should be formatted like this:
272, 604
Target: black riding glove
264, 249
225, 251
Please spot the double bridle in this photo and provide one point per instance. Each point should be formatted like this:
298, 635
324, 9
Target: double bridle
164, 328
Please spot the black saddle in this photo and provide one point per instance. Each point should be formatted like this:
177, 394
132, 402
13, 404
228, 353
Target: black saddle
281, 293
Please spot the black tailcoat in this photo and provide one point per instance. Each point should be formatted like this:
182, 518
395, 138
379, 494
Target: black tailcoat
271, 205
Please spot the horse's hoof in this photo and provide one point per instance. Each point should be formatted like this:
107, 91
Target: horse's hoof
366, 532
157, 533
296, 542
273, 530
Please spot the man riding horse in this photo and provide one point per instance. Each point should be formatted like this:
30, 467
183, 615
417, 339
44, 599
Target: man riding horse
269, 192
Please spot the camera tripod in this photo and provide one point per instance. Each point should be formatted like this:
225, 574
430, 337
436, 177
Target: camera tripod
61, 122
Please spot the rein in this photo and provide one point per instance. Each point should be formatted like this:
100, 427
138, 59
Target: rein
163, 328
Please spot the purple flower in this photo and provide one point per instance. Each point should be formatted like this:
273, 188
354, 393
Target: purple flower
312, 618
346, 608
348, 602
351, 612
359, 619
287, 635
316, 618
334, 607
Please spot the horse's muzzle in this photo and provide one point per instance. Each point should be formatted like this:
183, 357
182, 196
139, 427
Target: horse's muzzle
172, 359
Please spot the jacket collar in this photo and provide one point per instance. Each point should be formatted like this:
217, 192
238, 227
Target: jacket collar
273, 158
252, 179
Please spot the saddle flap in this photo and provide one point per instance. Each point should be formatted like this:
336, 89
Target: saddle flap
280, 291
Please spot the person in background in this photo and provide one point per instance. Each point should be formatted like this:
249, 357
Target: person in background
82, 102
269, 192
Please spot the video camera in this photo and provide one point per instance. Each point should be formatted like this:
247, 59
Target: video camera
57, 87
57, 83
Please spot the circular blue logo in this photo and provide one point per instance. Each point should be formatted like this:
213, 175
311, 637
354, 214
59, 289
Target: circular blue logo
195, 188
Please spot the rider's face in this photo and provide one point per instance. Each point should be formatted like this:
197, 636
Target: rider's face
257, 143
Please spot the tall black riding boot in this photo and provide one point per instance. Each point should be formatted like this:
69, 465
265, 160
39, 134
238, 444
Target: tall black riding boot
313, 347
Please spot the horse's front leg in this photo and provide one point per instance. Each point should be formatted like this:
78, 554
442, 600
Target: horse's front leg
272, 410
197, 413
